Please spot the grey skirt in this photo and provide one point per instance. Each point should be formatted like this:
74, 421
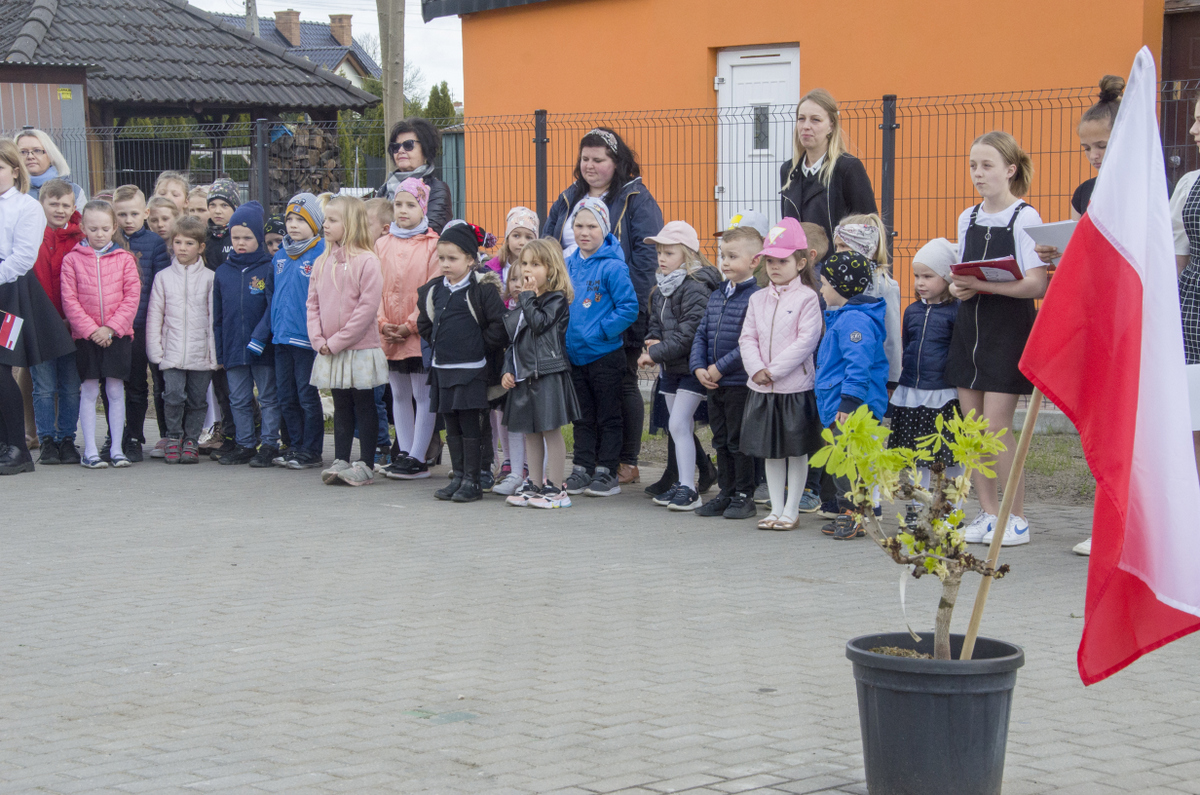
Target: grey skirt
778, 425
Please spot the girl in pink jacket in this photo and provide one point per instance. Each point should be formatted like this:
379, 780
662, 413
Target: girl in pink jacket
101, 288
408, 256
343, 307
779, 337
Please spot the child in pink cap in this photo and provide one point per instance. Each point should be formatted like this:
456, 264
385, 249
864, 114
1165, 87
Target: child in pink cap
783, 325
408, 257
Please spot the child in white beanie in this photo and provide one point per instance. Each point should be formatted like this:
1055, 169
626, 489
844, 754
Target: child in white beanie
923, 393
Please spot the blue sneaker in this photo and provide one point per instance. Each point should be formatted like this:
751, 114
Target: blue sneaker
810, 502
829, 509
666, 497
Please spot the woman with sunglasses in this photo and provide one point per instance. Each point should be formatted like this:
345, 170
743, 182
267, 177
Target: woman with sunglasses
44, 162
413, 146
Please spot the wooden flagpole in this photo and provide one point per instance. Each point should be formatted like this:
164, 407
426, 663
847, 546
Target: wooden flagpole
1010, 494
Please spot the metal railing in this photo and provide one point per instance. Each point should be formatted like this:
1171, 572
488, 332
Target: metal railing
701, 165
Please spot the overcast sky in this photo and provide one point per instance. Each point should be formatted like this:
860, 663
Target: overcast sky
436, 48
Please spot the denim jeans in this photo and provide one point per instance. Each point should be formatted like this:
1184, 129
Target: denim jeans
185, 402
299, 401
242, 381
56, 380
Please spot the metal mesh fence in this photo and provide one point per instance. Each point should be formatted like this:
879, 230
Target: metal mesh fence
702, 165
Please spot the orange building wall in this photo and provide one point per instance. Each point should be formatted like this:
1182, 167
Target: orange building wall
603, 55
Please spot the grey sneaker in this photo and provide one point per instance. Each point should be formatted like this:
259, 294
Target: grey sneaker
810, 502
508, 486
761, 495
577, 481
330, 476
604, 484
357, 474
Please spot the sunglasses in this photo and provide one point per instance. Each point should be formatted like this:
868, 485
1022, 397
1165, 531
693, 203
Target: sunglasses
407, 146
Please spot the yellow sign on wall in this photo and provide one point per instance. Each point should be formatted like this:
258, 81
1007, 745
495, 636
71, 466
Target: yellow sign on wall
64, 92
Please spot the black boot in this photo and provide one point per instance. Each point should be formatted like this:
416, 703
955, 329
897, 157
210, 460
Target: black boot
455, 443
708, 472
669, 477
49, 452
472, 455
14, 460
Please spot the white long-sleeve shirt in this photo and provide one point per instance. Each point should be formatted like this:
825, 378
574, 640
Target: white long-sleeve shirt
22, 227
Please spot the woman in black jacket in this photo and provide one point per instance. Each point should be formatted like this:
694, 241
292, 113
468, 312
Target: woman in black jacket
413, 146
608, 168
541, 396
822, 183
677, 305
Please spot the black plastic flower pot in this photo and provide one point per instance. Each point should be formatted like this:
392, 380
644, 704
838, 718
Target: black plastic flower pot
934, 727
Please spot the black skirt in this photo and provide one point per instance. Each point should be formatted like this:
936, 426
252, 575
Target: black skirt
457, 390
44, 334
911, 423
115, 361
411, 365
781, 425
989, 337
541, 404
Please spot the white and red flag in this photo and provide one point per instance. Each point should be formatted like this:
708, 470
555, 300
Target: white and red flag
1107, 348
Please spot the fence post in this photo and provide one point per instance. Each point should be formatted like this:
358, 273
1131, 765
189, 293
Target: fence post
539, 161
887, 173
261, 185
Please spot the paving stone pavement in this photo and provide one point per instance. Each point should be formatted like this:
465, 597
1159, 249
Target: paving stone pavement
183, 629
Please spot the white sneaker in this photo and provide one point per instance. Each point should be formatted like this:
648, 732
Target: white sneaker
508, 486
1083, 548
979, 527
1015, 533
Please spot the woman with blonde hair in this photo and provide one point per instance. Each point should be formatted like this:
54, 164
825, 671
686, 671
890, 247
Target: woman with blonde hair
44, 161
822, 183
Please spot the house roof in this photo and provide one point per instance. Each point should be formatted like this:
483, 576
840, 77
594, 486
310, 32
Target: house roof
317, 43
159, 54
432, 9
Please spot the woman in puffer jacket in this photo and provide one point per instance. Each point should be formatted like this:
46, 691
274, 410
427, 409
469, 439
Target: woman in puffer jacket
180, 340
101, 290
677, 305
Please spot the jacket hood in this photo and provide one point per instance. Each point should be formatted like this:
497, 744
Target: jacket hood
609, 249
708, 276
874, 308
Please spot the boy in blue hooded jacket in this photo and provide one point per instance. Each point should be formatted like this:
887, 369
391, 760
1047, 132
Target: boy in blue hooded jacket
604, 306
852, 367
292, 266
242, 332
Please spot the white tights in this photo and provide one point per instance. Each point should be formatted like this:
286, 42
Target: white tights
89, 393
682, 407
793, 470
414, 427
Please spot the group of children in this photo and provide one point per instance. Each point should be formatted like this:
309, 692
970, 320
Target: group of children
245, 319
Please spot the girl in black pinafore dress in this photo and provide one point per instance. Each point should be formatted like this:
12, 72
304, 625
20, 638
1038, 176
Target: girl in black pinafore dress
994, 319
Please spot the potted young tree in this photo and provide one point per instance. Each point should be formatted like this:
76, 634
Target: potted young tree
931, 722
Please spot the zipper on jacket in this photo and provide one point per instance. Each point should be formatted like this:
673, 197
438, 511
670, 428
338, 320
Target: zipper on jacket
185, 311
720, 320
621, 219
771, 339
921, 344
99, 287
987, 239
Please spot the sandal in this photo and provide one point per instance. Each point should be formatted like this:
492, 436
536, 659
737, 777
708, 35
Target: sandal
785, 524
768, 523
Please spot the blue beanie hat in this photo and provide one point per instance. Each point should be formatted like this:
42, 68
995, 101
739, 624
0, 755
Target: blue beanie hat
250, 215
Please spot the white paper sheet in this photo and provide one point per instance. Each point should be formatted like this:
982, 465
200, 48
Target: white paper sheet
1057, 234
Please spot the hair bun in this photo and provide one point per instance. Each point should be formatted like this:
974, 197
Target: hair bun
1111, 88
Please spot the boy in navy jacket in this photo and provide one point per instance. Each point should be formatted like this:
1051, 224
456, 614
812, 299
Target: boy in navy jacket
129, 204
242, 331
299, 401
716, 361
852, 368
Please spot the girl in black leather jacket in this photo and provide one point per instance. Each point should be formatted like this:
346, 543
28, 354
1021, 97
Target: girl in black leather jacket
541, 396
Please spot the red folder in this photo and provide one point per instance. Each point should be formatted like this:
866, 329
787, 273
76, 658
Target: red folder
10, 330
1004, 269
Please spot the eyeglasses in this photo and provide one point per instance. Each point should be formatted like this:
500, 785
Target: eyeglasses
407, 146
34, 152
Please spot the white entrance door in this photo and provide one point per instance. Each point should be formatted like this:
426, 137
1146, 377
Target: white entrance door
757, 92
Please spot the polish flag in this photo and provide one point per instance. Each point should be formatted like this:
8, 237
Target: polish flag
1107, 348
